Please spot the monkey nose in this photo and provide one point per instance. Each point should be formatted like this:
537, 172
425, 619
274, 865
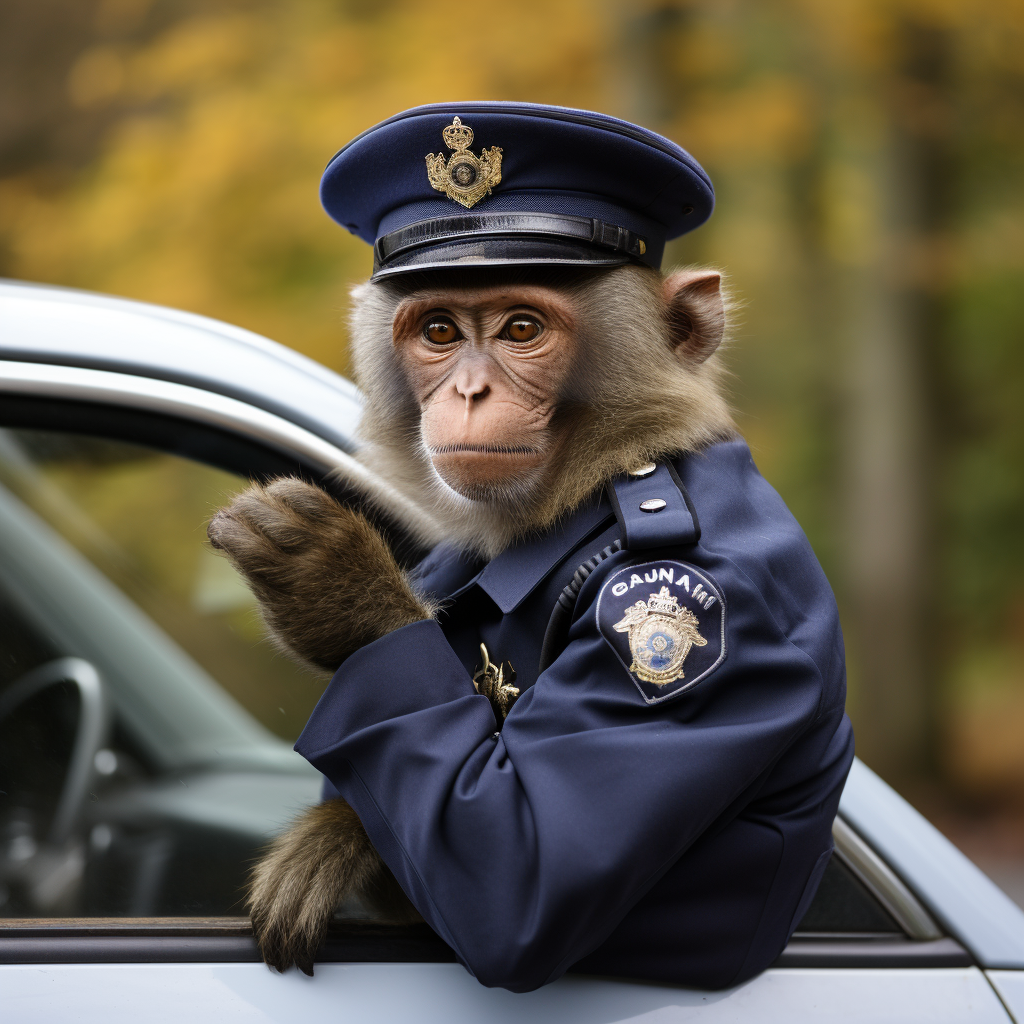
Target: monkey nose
472, 388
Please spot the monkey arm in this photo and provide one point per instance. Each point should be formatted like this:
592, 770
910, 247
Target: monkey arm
324, 856
325, 580
327, 584
528, 849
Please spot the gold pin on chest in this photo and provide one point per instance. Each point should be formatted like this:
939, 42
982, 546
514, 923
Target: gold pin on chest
464, 176
495, 682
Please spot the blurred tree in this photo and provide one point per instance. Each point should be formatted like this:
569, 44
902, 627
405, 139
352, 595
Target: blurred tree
868, 157
891, 299
839, 144
39, 127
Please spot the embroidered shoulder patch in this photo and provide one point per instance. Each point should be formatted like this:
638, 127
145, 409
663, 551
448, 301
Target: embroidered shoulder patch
665, 621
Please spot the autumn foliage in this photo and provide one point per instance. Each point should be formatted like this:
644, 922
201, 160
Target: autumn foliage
868, 157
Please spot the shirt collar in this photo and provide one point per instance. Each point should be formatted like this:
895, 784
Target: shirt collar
446, 571
510, 577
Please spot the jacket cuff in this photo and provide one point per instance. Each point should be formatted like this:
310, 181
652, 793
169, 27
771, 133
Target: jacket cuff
410, 670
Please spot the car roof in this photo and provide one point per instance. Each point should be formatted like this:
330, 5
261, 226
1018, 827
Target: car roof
63, 326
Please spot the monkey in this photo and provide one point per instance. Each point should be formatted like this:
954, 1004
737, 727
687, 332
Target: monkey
600, 725
497, 403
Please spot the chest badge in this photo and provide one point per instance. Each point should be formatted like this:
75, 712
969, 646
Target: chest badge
660, 637
665, 621
464, 177
497, 684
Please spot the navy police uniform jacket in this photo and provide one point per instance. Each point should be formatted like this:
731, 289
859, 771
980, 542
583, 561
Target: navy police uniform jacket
658, 803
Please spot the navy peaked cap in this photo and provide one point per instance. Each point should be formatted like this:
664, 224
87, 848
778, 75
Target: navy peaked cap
494, 183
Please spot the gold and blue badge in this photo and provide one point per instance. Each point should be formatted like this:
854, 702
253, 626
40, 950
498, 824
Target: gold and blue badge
666, 623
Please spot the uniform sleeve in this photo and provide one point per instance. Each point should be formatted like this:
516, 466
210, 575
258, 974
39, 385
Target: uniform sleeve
524, 849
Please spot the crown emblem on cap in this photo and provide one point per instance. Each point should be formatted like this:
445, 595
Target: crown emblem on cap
464, 177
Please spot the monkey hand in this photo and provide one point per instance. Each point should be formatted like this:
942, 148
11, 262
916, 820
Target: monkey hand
293, 891
326, 581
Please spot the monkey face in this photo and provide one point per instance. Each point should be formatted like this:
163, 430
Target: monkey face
487, 366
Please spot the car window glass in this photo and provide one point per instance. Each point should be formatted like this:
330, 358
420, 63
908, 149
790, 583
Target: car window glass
140, 517
186, 721
126, 640
843, 905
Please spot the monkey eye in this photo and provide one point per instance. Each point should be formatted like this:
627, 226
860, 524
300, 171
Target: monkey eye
521, 328
440, 331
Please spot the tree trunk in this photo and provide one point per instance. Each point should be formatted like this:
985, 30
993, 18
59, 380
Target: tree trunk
892, 300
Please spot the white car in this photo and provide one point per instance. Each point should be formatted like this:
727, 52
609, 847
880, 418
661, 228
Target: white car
141, 759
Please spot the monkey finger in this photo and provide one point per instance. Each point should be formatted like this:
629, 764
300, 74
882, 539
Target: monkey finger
259, 561
228, 534
288, 511
312, 915
306, 500
272, 518
272, 938
286, 937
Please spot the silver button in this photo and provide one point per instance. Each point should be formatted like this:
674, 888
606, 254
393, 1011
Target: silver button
653, 505
645, 470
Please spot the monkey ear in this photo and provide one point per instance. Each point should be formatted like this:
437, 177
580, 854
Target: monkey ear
695, 312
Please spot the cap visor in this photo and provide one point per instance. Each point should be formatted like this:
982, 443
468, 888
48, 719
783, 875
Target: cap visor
499, 252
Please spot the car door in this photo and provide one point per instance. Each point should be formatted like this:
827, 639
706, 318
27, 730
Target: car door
145, 729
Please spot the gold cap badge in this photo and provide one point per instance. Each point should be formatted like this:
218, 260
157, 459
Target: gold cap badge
464, 177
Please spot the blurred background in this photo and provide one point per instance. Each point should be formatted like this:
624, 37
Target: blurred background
868, 158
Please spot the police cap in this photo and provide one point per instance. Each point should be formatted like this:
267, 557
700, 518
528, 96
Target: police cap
496, 183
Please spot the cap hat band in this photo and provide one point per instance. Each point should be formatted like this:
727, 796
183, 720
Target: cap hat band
587, 231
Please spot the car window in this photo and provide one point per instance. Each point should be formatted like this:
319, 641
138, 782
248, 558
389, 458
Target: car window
140, 517
843, 906
145, 721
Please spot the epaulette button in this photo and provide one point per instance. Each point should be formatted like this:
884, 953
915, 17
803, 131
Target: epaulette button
653, 505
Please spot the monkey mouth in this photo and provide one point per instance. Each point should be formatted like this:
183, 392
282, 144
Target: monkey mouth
484, 449
474, 470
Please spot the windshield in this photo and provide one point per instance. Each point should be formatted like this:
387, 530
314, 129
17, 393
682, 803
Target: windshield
105, 557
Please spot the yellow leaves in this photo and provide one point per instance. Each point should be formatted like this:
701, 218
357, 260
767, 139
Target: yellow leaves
994, 243
120, 16
450, 50
851, 206
337, 58
204, 194
190, 57
708, 52
983, 718
198, 54
96, 77
768, 119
